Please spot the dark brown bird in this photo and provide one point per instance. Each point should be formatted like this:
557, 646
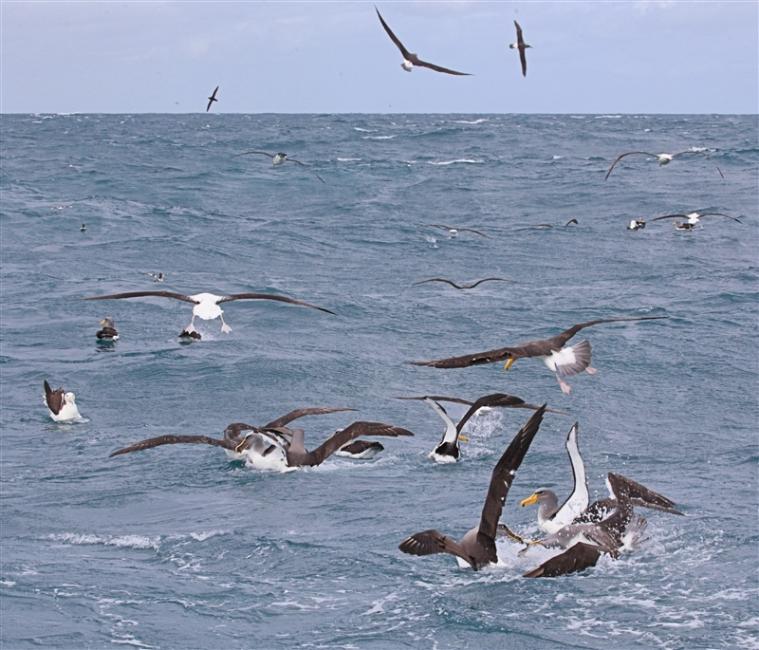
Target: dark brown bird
462, 286
212, 99
560, 358
107, 331
409, 58
521, 46
477, 547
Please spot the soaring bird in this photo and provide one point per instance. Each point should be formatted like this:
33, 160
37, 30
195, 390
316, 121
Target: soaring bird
409, 58
61, 405
521, 46
212, 99
470, 285
477, 547
278, 159
560, 358
662, 158
694, 218
206, 305
453, 231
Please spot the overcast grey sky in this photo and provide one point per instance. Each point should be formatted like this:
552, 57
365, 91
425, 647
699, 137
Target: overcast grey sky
588, 57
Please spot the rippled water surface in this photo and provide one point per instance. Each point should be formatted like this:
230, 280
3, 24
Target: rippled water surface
176, 547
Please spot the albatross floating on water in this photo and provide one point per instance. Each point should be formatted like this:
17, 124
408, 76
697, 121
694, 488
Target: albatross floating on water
448, 450
61, 405
279, 158
409, 58
521, 46
662, 158
477, 548
108, 332
206, 305
471, 285
560, 358
275, 446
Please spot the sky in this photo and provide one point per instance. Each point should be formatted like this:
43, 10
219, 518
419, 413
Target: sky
636, 56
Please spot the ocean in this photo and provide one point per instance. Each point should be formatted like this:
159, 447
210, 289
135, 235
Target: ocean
177, 547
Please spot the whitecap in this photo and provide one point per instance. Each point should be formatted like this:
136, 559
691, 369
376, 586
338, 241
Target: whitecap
348, 159
378, 137
121, 541
457, 160
477, 121
362, 130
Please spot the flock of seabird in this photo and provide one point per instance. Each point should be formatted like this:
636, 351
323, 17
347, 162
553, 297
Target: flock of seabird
581, 530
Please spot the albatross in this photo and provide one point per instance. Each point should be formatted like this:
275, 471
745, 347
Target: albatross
206, 305
453, 231
409, 58
455, 285
477, 547
562, 359
276, 446
107, 332
448, 450
521, 46
661, 158
212, 99
694, 218
279, 158
61, 405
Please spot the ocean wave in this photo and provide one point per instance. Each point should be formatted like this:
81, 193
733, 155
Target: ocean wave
470, 161
378, 137
477, 121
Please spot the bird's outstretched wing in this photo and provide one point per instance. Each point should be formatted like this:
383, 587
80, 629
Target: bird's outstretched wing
576, 558
430, 542
302, 412
53, 398
628, 153
352, 431
521, 48
141, 294
271, 296
174, 440
406, 54
466, 360
259, 153
440, 68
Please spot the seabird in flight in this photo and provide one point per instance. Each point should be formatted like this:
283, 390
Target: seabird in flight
275, 446
448, 450
107, 331
212, 99
560, 358
693, 218
462, 286
61, 405
662, 158
409, 58
477, 547
521, 46
206, 305
453, 232
278, 159
571, 222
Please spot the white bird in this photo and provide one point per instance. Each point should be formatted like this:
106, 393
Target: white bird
693, 218
61, 405
206, 305
278, 158
661, 158
636, 224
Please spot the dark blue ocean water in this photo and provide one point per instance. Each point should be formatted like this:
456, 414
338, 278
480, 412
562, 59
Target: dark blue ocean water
178, 548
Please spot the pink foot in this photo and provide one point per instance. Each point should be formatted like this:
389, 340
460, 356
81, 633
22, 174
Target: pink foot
565, 387
591, 370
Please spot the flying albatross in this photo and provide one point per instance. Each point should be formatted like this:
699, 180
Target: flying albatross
694, 218
453, 231
661, 158
212, 99
560, 358
275, 446
477, 547
471, 285
409, 58
279, 158
603, 529
521, 46
448, 450
61, 405
206, 305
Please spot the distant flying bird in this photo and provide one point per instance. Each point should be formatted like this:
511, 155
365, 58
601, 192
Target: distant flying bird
212, 99
662, 158
452, 232
409, 58
206, 305
278, 159
462, 286
521, 46
694, 218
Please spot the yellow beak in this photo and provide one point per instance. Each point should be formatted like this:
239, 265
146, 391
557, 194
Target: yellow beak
533, 498
509, 363
463, 438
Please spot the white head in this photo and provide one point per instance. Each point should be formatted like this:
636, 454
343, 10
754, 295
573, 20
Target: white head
407, 65
664, 158
693, 217
69, 398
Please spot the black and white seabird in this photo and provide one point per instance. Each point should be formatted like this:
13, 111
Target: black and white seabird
107, 331
409, 58
453, 231
693, 218
61, 405
661, 158
560, 358
157, 277
206, 305
636, 224
278, 159
477, 547
521, 46
448, 450
571, 222
275, 446
471, 285
212, 99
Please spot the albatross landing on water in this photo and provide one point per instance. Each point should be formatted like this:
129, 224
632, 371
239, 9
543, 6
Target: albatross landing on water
275, 446
61, 405
661, 158
560, 358
409, 58
521, 46
693, 218
448, 450
477, 548
206, 305
279, 158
